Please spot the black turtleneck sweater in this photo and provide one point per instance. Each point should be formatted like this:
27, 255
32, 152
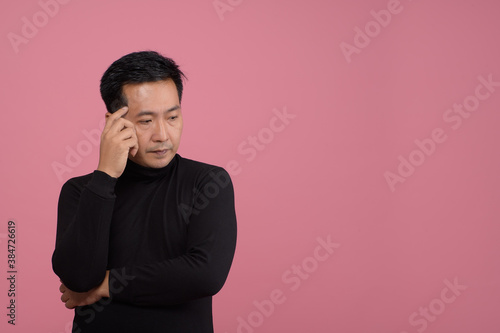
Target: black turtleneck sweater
167, 236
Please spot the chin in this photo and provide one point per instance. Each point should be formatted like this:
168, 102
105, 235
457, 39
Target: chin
150, 161
159, 163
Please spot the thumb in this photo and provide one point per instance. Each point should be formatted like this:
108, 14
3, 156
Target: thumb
133, 150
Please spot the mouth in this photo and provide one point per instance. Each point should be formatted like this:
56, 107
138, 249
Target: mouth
160, 152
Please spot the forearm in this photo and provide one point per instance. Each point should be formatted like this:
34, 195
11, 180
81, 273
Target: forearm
201, 271
84, 218
188, 277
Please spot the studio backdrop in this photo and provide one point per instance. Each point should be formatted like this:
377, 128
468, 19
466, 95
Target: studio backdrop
361, 137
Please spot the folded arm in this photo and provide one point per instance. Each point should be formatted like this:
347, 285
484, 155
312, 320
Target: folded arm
201, 271
83, 223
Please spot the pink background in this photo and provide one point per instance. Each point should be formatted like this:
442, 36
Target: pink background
321, 175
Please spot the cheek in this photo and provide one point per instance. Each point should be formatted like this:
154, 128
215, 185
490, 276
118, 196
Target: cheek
179, 131
142, 139
178, 134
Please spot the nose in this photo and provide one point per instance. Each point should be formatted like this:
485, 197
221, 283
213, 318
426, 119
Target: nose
160, 132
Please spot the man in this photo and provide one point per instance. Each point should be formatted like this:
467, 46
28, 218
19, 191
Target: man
146, 240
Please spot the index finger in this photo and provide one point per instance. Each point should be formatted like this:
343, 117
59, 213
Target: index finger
121, 112
111, 117
118, 113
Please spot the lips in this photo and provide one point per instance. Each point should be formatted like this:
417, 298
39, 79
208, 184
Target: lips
160, 152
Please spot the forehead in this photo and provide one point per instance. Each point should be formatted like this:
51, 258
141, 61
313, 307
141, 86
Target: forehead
151, 95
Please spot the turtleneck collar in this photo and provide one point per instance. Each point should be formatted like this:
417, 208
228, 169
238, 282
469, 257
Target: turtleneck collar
137, 171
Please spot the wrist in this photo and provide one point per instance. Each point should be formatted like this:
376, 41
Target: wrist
107, 171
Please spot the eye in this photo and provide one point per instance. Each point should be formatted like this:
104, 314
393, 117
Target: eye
144, 121
173, 117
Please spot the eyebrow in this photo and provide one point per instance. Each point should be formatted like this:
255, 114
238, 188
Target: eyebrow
149, 113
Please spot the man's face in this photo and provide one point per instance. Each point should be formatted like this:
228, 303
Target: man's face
155, 111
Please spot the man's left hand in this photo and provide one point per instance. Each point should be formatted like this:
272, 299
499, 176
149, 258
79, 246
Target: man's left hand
73, 299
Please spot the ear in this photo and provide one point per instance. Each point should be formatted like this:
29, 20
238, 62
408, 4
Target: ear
107, 115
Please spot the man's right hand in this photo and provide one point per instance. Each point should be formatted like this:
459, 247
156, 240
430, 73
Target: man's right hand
118, 138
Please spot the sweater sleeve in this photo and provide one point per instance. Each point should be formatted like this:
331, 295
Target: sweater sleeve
83, 224
202, 270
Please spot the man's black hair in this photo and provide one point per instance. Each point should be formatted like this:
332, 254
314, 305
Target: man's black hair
137, 67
